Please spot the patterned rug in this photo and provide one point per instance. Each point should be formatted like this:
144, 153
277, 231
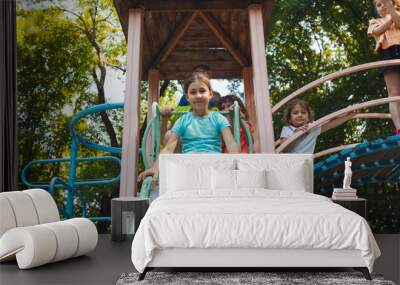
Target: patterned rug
243, 278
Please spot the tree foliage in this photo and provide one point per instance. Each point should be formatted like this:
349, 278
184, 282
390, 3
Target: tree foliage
52, 73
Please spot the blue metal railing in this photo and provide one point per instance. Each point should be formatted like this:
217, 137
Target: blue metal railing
72, 184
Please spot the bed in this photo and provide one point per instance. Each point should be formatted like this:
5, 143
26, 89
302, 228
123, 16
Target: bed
259, 210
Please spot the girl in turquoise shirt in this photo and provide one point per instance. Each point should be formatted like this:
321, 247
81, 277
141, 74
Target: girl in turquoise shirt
199, 130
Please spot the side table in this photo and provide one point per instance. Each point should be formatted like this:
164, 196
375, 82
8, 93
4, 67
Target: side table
126, 214
357, 205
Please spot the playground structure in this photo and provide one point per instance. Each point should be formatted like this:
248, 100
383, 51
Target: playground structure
167, 40
73, 186
168, 43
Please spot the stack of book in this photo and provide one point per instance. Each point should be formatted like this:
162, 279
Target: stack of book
344, 194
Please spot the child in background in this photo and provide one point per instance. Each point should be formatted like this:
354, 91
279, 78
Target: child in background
298, 116
226, 104
198, 130
386, 31
183, 102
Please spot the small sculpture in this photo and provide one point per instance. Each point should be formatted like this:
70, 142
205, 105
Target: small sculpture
347, 174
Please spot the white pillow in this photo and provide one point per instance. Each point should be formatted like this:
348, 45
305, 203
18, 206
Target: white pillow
182, 177
291, 180
223, 179
251, 178
282, 173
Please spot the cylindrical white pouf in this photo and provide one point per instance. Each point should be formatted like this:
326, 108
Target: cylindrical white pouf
87, 235
67, 240
7, 218
34, 246
45, 205
23, 207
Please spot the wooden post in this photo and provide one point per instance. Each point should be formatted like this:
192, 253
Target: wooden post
249, 102
154, 89
154, 96
262, 102
130, 139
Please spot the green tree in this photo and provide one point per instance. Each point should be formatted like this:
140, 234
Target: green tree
97, 22
52, 73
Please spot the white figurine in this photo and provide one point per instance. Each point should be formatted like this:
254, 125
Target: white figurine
347, 174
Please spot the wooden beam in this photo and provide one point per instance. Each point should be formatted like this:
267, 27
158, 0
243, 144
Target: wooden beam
174, 39
333, 150
123, 15
334, 75
154, 96
154, 89
373, 116
261, 90
215, 67
191, 5
130, 139
183, 56
250, 104
182, 75
224, 38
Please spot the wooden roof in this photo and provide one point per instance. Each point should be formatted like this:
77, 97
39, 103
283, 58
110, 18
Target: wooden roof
179, 35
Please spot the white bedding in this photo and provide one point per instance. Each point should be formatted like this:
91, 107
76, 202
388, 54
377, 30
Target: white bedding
251, 218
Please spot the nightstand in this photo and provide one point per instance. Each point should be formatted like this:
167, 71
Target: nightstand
358, 205
126, 214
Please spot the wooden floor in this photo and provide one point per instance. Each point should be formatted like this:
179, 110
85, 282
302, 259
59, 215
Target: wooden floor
110, 260
103, 266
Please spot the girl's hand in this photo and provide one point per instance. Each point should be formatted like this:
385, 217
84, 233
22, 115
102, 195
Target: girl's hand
279, 141
149, 172
304, 128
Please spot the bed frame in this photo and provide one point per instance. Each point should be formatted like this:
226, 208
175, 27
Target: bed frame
251, 258
256, 258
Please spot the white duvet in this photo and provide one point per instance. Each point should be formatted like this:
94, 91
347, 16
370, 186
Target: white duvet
252, 218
